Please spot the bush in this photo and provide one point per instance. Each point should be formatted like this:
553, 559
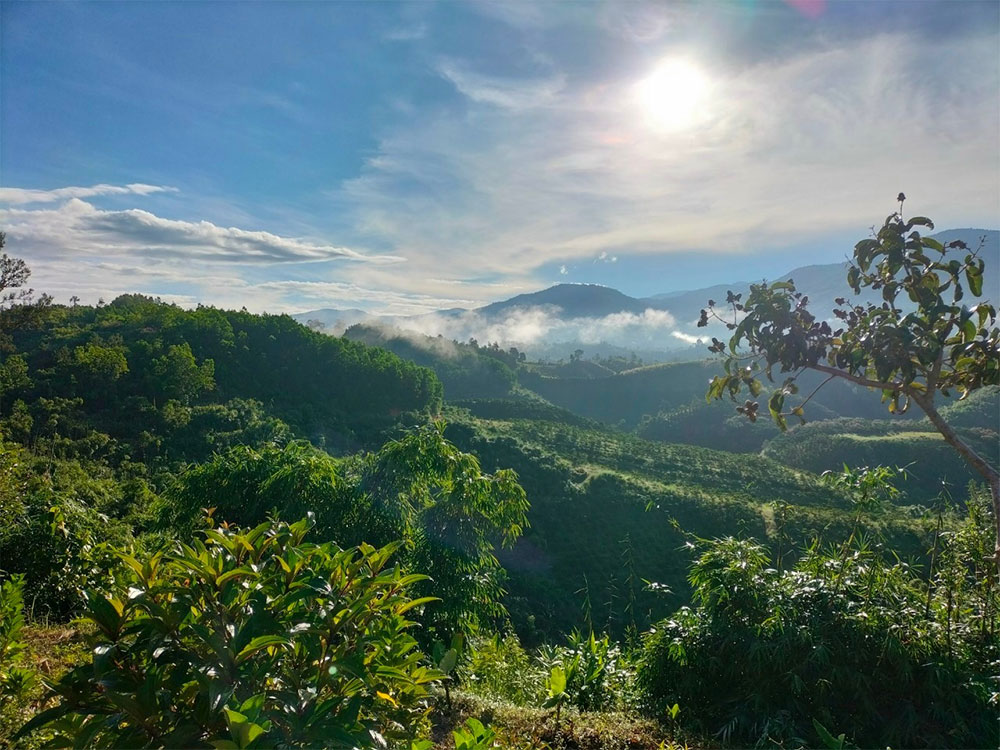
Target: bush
500, 668
248, 638
588, 672
846, 639
16, 680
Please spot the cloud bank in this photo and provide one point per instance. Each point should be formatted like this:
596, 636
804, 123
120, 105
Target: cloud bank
78, 227
544, 325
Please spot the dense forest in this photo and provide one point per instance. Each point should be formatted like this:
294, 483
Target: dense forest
226, 529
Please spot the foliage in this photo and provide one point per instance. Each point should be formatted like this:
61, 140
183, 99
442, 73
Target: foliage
852, 641
499, 668
15, 680
57, 515
590, 490
424, 489
921, 340
465, 370
473, 735
130, 369
419, 489
248, 638
588, 673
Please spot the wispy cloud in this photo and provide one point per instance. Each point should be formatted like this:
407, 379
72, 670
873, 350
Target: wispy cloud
19, 196
406, 33
511, 93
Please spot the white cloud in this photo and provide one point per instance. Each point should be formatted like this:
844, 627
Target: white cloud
78, 227
514, 93
18, 196
544, 324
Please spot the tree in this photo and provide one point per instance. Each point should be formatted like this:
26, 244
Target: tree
180, 377
17, 304
919, 342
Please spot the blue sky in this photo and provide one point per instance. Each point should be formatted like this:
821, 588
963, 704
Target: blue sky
406, 157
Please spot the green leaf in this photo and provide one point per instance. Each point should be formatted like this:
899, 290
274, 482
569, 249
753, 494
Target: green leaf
448, 661
975, 279
235, 573
259, 643
557, 681
416, 603
831, 742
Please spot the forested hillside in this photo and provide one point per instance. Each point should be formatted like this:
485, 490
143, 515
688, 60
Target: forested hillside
519, 532
137, 371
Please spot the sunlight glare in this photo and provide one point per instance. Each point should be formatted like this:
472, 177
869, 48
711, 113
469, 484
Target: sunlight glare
674, 95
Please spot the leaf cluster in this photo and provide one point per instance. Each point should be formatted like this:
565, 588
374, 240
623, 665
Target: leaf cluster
920, 339
248, 638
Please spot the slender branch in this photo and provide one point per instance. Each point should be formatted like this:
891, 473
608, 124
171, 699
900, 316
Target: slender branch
815, 391
834, 372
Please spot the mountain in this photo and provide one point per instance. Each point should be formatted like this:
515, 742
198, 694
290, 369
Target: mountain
573, 301
567, 316
825, 282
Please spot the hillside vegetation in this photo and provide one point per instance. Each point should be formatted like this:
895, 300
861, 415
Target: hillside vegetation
221, 493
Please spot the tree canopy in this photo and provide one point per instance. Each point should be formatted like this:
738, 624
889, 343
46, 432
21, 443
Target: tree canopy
927, 337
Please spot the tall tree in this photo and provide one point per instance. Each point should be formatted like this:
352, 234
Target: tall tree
920, 341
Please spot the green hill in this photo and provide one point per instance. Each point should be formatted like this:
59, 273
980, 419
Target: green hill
604, 506
138, 370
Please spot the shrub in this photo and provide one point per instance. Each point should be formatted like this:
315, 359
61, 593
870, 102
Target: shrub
500, 668
846, 639
248, 638
588, 672
16, 680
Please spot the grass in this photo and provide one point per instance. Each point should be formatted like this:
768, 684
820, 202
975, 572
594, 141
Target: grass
534, 728
52, 650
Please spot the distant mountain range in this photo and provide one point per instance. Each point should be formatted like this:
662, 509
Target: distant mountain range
567, 314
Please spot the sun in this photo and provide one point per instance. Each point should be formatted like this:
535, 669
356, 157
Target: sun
674, 95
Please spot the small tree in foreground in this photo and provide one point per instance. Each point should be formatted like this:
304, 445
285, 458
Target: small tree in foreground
250, 638
939, 345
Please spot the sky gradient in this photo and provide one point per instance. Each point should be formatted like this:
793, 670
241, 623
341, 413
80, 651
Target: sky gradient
407, 157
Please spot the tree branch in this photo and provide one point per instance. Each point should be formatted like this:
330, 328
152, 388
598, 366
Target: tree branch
815, 391
951, 436
977, 462
834, 372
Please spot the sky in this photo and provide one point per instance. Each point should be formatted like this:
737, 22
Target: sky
408, 157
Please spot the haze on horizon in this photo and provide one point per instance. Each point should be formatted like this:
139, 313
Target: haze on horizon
403, 158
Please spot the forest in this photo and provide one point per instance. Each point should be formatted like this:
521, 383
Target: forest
224, 529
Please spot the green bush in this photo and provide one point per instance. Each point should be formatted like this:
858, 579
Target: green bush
500, 668
249, 638
16, 680
846, 639
588, 672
